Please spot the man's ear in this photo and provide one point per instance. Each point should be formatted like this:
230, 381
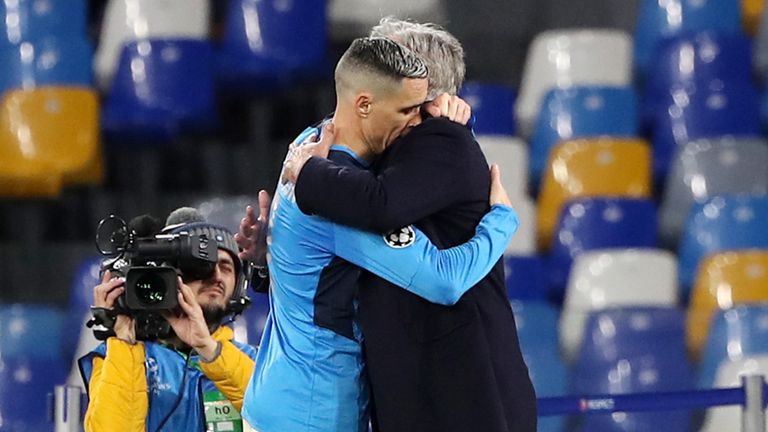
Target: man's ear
363, 104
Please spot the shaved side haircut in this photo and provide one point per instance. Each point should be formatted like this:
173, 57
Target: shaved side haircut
376, 64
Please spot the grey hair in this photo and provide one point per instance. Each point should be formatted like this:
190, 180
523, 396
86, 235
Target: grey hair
440, 50
382, 58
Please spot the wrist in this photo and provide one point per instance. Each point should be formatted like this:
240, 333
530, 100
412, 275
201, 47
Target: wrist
209, 350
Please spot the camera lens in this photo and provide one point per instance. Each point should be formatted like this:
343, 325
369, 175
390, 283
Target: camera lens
150, 288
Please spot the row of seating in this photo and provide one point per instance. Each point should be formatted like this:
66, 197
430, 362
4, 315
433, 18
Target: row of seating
638, 350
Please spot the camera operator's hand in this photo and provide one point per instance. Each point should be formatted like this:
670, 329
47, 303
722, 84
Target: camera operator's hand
298, 155
190, 325
252, 238
105, 295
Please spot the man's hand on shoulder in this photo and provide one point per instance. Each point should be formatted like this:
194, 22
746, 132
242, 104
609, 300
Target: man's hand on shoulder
450, 106
298, 155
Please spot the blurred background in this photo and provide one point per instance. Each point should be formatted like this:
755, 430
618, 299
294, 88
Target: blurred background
631, 136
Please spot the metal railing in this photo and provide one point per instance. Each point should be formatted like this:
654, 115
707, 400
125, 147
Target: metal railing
750, 396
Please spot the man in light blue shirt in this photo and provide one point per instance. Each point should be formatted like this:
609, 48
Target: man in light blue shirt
309, 371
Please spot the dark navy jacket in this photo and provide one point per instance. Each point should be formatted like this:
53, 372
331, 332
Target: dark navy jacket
432, 367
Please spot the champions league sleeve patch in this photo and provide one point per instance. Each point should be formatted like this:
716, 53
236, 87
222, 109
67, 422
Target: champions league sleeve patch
400, 238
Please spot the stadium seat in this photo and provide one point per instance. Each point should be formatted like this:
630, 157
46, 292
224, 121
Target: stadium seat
354, 18
699, 59
580, 112
550, 378
227, 211
632, 332
536, 325
598, 223
31, 20
493, 107
634, 350
24, 385
156, 104
703, 113
46, 62
125, 21
524, 240
251, 323
724, 280
511, 154
262, 48
611, 278
735, 334
751, 13
590, 168
537, 332
706, 168
562, 59
526, 277
760, 53
654, 371
30, 330
729, 375
80, 301
55, 127
658, 20
722, 223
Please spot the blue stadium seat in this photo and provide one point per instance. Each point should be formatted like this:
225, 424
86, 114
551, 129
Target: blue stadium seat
150, 96
493, 106
24, 385
632, 332
255, 317
267, 43
598, 223
30, 330
692, 60
550, 378
580, 112
708, 167
30, 20
525, 277
721, 223
734, 334
658, 20
710, 110
634, 351
80, 301
46, 62
536, 326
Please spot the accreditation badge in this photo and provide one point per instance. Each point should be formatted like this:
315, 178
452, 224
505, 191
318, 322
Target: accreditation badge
220, 414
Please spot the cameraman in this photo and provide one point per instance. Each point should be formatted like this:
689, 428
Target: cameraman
192, 381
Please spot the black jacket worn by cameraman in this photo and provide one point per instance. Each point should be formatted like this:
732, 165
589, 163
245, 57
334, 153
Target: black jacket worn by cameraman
432, 368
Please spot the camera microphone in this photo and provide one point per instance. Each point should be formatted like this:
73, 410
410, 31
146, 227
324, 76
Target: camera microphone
145, 225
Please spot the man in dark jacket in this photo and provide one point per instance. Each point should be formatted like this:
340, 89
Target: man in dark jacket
431, 367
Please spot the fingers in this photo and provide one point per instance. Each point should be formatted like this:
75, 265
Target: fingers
498, 193
495, 174
113, 295
327, 139
101, 292
187, 299
264, 202
464, 113
453, 108
433, 110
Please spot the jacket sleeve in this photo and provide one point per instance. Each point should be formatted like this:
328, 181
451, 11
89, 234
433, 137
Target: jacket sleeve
428, 174
408, 259
230, 371
118, 390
